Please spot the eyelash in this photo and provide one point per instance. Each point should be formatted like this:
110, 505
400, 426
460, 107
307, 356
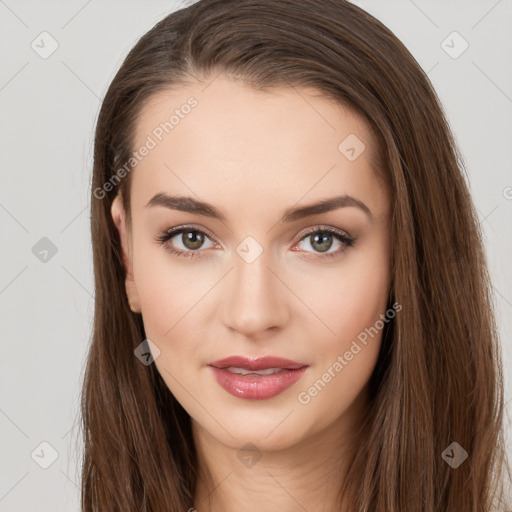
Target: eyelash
346, 240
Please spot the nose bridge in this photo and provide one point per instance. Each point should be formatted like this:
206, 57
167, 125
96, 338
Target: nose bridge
255, 299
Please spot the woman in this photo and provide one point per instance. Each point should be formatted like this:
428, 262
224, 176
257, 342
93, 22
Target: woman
293, 308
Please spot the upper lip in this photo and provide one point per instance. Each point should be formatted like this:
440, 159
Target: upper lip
260, 363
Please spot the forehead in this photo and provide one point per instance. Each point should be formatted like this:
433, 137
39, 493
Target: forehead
224, 135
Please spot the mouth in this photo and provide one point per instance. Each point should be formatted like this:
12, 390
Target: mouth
256, 379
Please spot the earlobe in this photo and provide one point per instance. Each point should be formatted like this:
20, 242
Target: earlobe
119, 218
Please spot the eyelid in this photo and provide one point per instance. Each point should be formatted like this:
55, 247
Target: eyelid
330, 229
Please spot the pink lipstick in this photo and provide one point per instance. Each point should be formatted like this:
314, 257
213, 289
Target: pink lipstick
256, 379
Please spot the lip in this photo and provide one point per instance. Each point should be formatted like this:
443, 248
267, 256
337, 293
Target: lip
259, 363
256, 387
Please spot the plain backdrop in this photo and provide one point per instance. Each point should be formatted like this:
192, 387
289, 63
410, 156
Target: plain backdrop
49, 105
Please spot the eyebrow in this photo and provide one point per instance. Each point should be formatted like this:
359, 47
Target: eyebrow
191, 205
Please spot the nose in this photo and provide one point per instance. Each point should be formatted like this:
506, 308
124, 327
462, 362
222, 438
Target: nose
256, 300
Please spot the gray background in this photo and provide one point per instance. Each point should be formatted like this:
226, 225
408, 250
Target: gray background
49, 107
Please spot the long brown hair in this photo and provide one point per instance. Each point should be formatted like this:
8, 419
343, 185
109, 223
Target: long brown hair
438, 379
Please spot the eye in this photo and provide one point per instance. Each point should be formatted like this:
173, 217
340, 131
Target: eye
188, 240
322, 239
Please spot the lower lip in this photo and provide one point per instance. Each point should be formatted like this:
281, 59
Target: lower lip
256, 387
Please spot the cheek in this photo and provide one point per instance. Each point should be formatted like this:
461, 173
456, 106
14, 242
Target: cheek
167, 291
350, 298
176, 304
346, 354
351, 303
357, 302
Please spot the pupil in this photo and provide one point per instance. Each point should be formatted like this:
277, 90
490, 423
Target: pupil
192, 239
323, 241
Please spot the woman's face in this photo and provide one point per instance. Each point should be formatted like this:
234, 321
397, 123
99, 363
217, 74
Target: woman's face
259, 273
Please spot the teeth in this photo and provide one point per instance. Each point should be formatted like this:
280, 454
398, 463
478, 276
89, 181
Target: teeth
243, 371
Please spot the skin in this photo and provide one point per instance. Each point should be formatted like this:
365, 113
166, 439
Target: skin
252, 155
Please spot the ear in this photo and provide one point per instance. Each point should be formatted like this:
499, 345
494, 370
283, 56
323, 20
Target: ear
119, 217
